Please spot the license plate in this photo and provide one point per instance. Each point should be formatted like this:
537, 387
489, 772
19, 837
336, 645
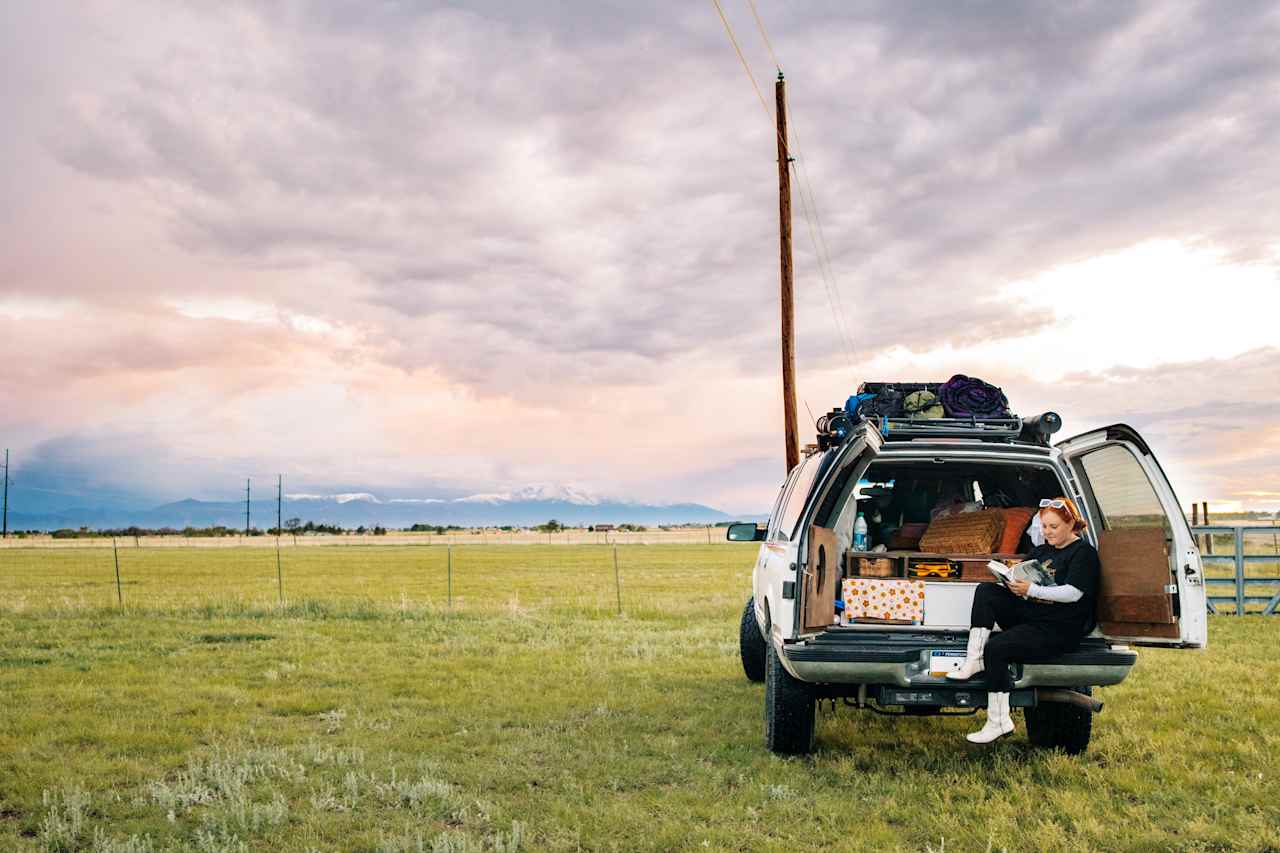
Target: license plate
942, 662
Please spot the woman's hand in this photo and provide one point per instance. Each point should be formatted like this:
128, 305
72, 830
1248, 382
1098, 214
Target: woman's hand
1020, 588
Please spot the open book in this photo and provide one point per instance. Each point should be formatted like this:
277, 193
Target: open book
1028, 570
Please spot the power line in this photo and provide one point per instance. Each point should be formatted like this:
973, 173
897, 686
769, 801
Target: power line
809, 207
743, 59
763, 35
802, 172
828, 282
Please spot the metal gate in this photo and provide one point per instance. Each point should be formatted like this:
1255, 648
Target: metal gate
1237, 601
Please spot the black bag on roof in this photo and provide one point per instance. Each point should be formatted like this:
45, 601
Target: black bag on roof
885, 401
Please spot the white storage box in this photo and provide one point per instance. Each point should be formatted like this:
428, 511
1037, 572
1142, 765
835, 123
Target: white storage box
948, 604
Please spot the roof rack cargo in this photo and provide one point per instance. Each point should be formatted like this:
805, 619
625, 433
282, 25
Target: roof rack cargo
900, 387
835, 426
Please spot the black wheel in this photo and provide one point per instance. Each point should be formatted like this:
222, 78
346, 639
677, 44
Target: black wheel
751, 643
789, 709
1058, 725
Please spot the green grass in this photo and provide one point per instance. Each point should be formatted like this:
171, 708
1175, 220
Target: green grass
510, 576
530, 716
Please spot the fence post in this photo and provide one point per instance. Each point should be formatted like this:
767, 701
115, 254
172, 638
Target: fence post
617, 578
450, 548
1208, 537
1239, 570
115, 552
279, 530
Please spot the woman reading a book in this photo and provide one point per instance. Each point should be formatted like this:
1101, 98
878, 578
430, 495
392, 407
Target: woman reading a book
1038, 621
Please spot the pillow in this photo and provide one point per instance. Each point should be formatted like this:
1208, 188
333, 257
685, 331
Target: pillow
1016, 520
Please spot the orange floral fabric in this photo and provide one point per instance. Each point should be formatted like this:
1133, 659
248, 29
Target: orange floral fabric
877, 598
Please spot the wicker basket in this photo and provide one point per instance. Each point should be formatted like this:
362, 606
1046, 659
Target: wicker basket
881, 567
863, 564
966, 533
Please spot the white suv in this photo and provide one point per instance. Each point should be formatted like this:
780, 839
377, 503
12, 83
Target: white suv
791, 638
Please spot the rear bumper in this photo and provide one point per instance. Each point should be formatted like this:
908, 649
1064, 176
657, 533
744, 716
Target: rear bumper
851, 656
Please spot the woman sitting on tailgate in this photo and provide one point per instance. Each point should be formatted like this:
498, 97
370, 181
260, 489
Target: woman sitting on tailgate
1037, 623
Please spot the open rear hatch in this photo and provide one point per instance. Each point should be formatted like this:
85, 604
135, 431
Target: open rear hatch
1152, 581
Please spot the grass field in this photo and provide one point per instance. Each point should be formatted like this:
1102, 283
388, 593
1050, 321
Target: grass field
366, 714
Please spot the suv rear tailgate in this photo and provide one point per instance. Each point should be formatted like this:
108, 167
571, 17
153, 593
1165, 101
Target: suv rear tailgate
854, 656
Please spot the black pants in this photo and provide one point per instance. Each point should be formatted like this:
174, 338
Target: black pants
1023, 636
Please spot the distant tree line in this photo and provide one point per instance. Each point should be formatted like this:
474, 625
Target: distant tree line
293, 526
298, 527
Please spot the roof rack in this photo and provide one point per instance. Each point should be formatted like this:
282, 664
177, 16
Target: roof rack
906, 428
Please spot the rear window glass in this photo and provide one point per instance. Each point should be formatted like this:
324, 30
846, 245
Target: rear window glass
1125, 496
794, 503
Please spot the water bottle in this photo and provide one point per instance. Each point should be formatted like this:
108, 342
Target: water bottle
860, 534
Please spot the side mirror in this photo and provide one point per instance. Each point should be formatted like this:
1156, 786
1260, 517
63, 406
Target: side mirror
745, 531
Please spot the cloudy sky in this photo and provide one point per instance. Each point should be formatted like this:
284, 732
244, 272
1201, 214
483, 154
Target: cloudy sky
435, 248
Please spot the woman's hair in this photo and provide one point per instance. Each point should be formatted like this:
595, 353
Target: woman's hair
1071, 515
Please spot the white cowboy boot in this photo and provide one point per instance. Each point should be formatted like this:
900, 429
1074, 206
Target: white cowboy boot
999, 722
973, 655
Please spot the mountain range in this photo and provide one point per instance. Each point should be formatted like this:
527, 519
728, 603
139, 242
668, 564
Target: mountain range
523, 507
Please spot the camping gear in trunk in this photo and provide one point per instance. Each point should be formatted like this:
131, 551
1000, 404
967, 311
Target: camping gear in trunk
967, 533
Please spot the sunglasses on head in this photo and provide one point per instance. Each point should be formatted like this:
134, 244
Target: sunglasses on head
1056, 503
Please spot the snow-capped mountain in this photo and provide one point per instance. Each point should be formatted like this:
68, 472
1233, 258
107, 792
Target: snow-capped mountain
340, 498
527, 505
538, 492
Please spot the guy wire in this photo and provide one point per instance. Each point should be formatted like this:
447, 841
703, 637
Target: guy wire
805, 189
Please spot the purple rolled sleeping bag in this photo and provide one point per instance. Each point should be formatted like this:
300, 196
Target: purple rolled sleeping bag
969, 397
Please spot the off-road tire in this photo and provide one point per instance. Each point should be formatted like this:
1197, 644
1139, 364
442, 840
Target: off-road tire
789, 709
1058, 725
751, 643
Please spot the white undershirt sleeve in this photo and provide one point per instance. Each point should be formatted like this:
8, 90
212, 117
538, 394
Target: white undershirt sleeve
1064, 594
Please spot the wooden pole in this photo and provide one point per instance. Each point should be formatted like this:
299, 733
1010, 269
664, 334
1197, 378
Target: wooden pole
450, 547
115, 552
617, 579
279, 513
6, 493
1208, 537
788, 301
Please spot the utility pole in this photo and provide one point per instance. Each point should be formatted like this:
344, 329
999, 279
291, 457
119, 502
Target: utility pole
279, 530
6, 494
246, 507
788, 301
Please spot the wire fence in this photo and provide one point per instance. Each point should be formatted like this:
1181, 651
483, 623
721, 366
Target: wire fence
474, 536
645, 571
598, 578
